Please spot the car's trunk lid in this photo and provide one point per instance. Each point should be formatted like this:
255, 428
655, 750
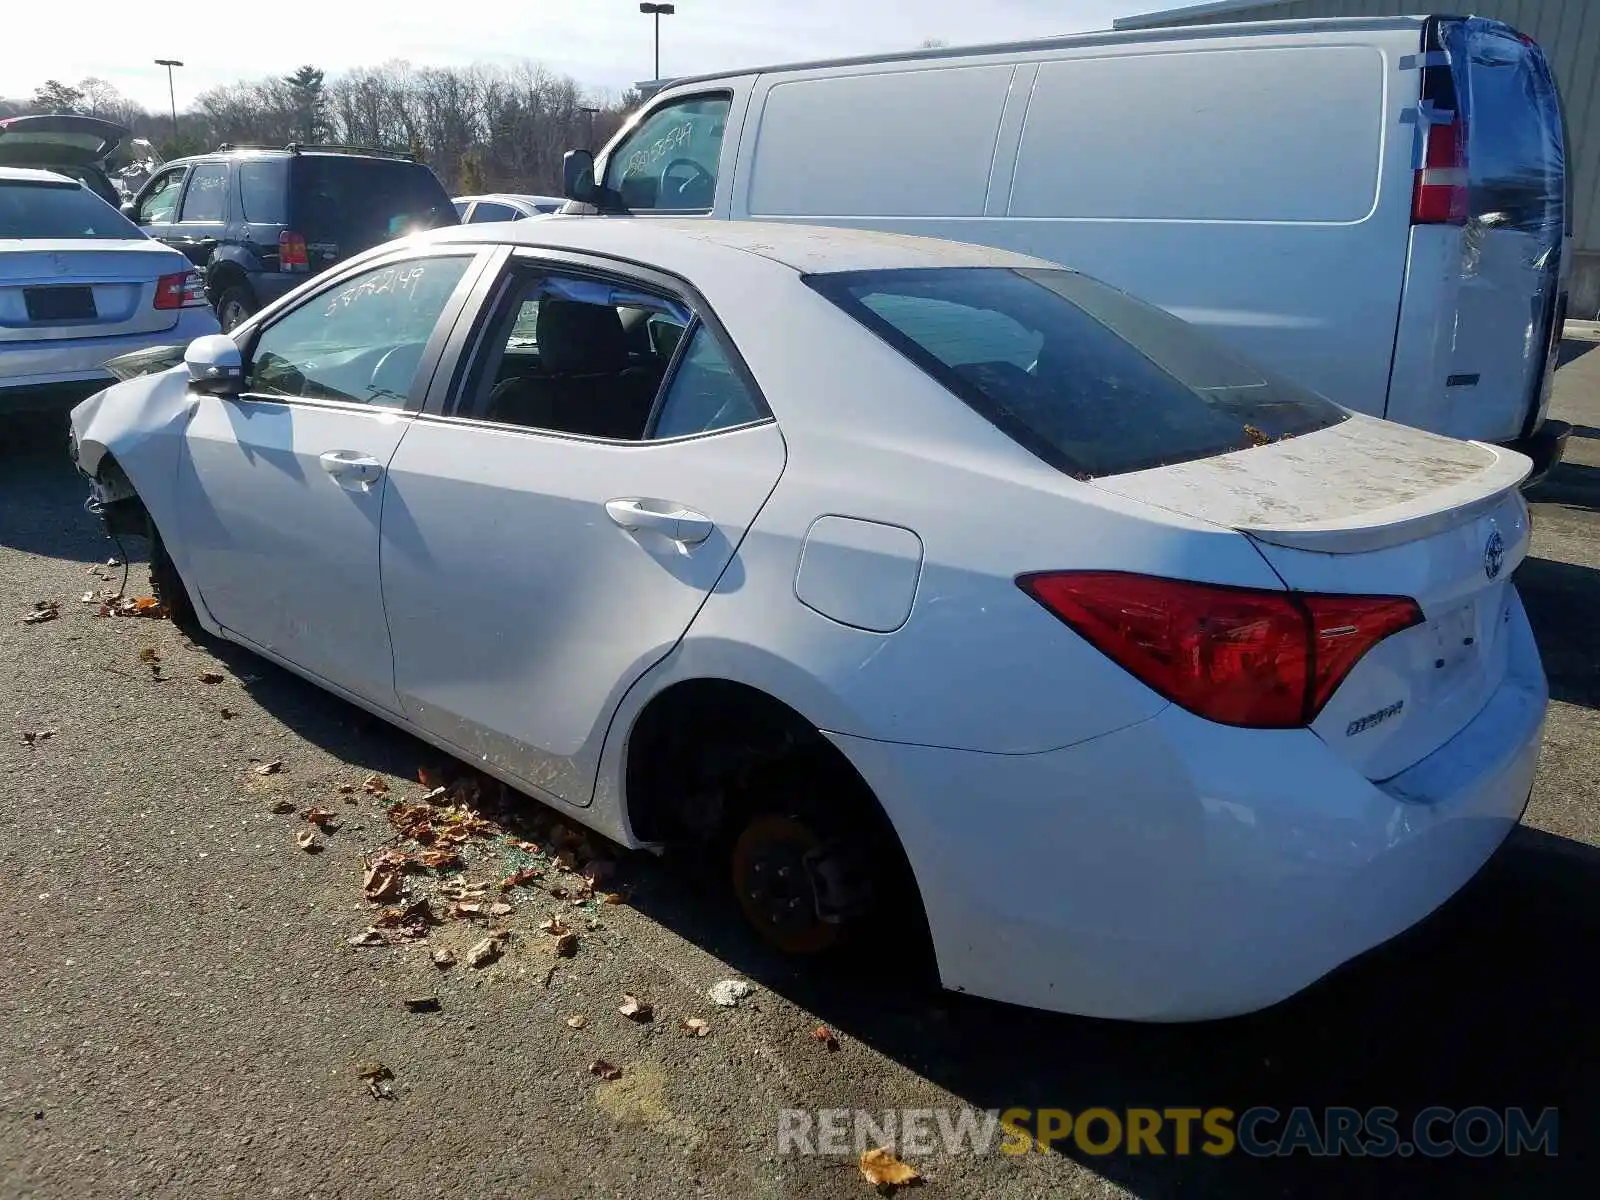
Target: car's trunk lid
120, 277
1372, 508
58, 139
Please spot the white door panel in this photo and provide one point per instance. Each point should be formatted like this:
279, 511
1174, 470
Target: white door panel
282, 550
530, 579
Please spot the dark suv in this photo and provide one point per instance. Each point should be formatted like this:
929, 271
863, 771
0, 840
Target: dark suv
260, 221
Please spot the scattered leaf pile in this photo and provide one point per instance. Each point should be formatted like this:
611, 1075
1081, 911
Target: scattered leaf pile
886, 1172
42, 611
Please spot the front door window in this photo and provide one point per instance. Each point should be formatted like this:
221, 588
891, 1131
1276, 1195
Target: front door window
161, 200
669, 163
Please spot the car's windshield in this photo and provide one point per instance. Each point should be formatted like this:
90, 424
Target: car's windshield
1086, 377
31, 209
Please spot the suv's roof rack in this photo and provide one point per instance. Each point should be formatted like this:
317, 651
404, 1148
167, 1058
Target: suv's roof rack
320, 148
340, 148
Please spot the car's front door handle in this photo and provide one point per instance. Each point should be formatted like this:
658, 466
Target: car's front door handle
677, 522
352, 467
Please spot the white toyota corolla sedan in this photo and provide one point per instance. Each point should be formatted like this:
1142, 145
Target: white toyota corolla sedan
905, 577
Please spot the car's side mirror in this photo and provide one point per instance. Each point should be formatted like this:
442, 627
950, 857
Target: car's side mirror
577, 178
215, 365
130, 209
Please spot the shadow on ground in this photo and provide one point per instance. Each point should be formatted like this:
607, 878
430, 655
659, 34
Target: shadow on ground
41, 496
1563, 602
1573, 348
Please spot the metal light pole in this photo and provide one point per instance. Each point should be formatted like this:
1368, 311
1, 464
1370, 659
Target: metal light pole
172, 96
658, 11
591, 110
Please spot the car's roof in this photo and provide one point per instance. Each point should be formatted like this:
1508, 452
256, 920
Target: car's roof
34, 175
680, 246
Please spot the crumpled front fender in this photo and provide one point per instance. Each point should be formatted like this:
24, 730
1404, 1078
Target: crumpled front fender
139, 425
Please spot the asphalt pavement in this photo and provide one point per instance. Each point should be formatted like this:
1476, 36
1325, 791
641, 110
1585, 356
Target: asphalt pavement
182, 1012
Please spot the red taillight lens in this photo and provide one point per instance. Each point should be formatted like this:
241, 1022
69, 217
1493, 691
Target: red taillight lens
183, 289
1237, 656
292, 254
1439, 195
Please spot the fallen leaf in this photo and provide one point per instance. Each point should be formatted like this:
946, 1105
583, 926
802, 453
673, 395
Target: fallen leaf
226, 714
825, 1035
306, 839
577, 1022
30, 736
467, 908
567, 944
416, 913
884, 1171
346, 789
608, 897
370, 937
149, 655
422, 1003
443, 958
485, 952
604, 1069
374, 784
113, 562
634, 1009
439, 860
566, 860
211, 676
145, 606
377, 1077
270, 768
520, 878
283, 806
382, 883
729, 992
527, 847
438, 796
87, 598
43, 610
554, 927
322, 818
498, 909
695, 1027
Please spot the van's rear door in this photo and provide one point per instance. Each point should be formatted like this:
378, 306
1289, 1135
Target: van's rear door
1484, 290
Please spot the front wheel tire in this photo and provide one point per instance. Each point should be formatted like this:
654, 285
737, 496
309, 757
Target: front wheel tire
166, 585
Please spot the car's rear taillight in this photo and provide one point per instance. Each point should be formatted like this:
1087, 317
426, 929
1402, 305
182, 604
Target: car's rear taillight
292, 254
1238, 656
182, 289
1439, 194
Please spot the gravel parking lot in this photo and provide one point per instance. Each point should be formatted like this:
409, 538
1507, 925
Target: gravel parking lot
183, 1012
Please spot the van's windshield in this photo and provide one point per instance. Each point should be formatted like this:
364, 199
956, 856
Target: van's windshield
1086, 377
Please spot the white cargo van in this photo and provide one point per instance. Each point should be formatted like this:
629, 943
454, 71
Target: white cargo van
1375, 207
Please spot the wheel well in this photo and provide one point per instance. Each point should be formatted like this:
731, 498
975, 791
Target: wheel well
698, 740
220, 277
121, 509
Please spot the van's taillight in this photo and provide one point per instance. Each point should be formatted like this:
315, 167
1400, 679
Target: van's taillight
1238, 656
1439, 195
292, 254
182, 289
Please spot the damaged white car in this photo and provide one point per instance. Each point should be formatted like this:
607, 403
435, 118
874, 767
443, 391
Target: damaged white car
909, 581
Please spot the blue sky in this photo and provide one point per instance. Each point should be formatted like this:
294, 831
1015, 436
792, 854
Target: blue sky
602, 43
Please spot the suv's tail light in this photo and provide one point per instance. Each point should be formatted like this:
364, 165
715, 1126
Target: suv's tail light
183, 289
292, 254
1238, 656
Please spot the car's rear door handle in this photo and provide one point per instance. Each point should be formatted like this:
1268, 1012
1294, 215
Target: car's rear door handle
678, 523
352, 467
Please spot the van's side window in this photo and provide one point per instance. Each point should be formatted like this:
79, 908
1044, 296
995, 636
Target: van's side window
669, 163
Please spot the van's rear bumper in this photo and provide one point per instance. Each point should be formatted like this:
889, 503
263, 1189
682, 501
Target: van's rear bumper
1545, 446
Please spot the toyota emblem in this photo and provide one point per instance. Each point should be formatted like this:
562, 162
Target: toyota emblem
1494, 554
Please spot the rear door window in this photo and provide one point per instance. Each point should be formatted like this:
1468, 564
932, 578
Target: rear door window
207, 196
487, 211
1086, 377
262, 190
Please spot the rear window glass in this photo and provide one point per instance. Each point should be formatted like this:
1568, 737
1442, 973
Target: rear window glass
355, 201
263, 192
42, 210
1086, 377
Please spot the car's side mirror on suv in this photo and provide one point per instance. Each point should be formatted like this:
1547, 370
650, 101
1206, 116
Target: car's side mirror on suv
130, 209
577, 178
215, 365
